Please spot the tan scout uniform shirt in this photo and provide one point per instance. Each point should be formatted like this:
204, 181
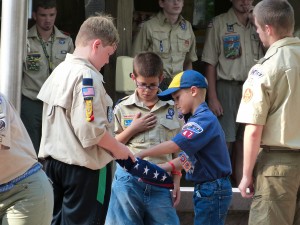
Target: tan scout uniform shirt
271, 95
173, 43
168, 124
36, 65
17, 154
231, 47
66, 135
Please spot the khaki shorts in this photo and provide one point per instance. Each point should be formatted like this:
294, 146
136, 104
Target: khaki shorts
29, 202
277, 182
230, 94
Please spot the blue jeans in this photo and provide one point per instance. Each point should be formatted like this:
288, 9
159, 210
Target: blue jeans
211, 202
135, 203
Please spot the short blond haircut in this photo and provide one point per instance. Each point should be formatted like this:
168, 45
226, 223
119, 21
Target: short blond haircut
98, 27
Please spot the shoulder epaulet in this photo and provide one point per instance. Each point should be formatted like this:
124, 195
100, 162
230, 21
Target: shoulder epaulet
121, 99
65, 33
261, 61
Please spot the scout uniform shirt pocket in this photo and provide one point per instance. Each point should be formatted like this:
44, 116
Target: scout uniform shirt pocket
168, 129
255, 45
33, 61
184, 42
232, 46
161, 44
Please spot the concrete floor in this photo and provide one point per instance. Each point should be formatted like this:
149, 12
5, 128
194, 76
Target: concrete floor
233, 218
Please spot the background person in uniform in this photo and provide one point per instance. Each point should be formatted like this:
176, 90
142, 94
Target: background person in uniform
46, 48
142, 120
203, 141
77, 141
270, 108
170, 36
231, 48
26, 195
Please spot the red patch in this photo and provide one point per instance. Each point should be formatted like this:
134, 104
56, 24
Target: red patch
187, 133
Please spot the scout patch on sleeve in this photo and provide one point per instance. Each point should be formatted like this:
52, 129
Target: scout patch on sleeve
256, 73
191, 128
232, 46
248, 94
109, 114
88, 91
2, 125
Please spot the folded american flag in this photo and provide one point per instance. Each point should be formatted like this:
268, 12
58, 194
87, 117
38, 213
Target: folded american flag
148, 172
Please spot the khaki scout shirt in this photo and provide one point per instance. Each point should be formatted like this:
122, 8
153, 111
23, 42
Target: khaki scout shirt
271, 95
66, 134
36, 66
231, 47
168, 124
173, 43
17, 154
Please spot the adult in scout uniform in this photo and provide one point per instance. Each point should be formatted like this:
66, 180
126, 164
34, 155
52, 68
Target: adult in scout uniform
270, 108
46, 48
170, 36
77, 141
26, 195
231, 48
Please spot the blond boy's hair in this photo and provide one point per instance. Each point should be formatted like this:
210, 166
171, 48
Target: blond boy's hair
98, 27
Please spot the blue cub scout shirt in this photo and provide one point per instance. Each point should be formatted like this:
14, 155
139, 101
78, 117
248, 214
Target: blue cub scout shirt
203, 140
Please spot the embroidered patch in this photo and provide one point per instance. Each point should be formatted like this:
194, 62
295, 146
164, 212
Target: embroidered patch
88, 91
62, 41
127, 122
232, 46
170, 114
2, 125
256, 73
189, 129
247, 96
109, 114
193, 127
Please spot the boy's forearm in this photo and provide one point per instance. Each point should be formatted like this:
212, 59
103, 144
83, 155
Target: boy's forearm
167, 147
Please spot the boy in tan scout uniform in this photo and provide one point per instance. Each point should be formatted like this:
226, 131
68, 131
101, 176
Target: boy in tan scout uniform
170, 36
46, 48
26, 195
142, 121
231, 48
270, 109
77, 140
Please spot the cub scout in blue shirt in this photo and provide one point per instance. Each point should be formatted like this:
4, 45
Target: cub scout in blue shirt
205, 156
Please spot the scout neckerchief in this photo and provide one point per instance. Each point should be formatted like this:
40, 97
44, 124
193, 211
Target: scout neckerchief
49, 58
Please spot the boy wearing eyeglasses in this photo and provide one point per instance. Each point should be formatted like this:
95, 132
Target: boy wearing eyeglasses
142, 121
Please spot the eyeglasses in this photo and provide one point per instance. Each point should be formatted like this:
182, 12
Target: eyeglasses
144, 86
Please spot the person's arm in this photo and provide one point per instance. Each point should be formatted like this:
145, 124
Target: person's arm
117, 149
187, 65
138, 124
166, 147
252, 140
213, 101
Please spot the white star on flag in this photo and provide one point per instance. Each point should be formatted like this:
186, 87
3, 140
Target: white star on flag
146, 170
156, 174
164, 177
136, 166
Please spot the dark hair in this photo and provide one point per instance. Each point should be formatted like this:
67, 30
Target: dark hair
147, 64
46, 4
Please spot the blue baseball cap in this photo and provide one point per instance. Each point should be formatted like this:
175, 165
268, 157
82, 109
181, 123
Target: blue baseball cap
185, 79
